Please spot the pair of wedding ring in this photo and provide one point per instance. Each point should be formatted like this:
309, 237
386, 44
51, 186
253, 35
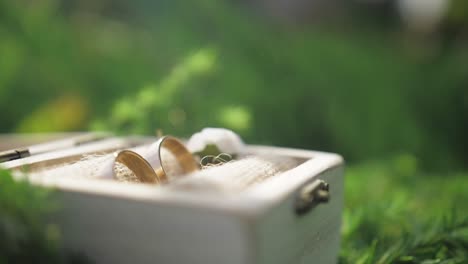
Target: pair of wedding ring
146, 173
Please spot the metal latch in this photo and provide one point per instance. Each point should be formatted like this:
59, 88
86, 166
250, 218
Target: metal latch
311, 195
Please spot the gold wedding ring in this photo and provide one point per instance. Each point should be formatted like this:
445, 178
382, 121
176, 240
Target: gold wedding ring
139, 166
180, 152
143, 169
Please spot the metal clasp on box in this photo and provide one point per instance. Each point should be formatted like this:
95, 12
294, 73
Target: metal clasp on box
311, 195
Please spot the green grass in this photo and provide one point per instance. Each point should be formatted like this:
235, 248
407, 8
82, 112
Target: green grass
26, 235
394, 213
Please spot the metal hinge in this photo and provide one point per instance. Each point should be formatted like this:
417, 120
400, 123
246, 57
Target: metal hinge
311, 195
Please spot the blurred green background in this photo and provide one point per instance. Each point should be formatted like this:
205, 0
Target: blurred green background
384, 83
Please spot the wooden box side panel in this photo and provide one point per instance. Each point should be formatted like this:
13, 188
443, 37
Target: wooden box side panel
113, 230
284, 237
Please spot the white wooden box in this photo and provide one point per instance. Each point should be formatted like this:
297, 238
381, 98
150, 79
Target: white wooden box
112, 222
